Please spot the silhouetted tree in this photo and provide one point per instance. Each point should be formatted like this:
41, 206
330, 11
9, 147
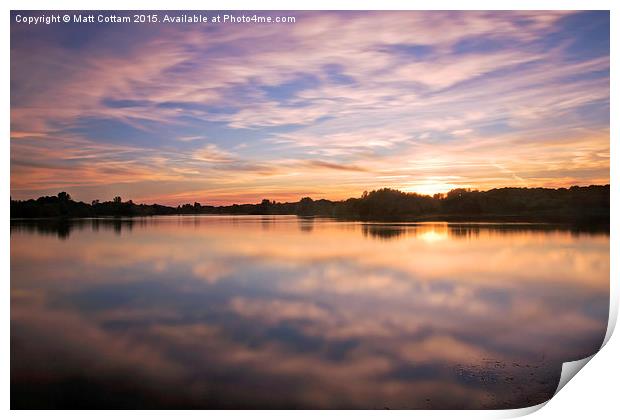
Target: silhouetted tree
583, 205
306, 206
63, 196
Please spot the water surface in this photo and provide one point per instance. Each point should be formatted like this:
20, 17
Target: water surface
287, 312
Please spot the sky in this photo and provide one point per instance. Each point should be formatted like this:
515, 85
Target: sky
332, 105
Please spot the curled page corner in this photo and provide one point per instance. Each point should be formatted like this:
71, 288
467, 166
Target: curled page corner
613, 312
569, 370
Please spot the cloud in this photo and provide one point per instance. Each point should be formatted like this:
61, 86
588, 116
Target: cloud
339, 167
373, 90
211, 153
191, 138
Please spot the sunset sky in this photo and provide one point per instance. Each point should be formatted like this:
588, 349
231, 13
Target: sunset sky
327, 107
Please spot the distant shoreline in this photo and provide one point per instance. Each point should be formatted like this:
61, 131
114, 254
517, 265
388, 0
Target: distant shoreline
575, 205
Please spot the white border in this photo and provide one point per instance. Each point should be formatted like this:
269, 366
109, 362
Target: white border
312, 5
593, 394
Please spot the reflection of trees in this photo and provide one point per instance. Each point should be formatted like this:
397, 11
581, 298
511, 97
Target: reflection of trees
62, 228
53, 227
306, 224
267, 223
385, 232
464, 231
473, 230
458, 231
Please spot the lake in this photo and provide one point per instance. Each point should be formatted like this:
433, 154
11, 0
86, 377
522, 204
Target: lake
290, 312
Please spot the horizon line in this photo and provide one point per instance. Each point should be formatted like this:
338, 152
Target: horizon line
440, 194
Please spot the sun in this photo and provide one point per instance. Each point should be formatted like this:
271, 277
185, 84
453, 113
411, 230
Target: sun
431, 187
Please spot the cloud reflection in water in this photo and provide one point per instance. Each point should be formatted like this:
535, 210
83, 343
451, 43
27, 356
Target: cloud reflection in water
282, 312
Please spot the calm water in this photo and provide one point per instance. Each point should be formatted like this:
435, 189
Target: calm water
284, 312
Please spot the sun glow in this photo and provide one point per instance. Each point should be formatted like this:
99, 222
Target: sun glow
434, 232
431, 188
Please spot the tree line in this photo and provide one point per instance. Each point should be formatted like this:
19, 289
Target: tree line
575, 204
